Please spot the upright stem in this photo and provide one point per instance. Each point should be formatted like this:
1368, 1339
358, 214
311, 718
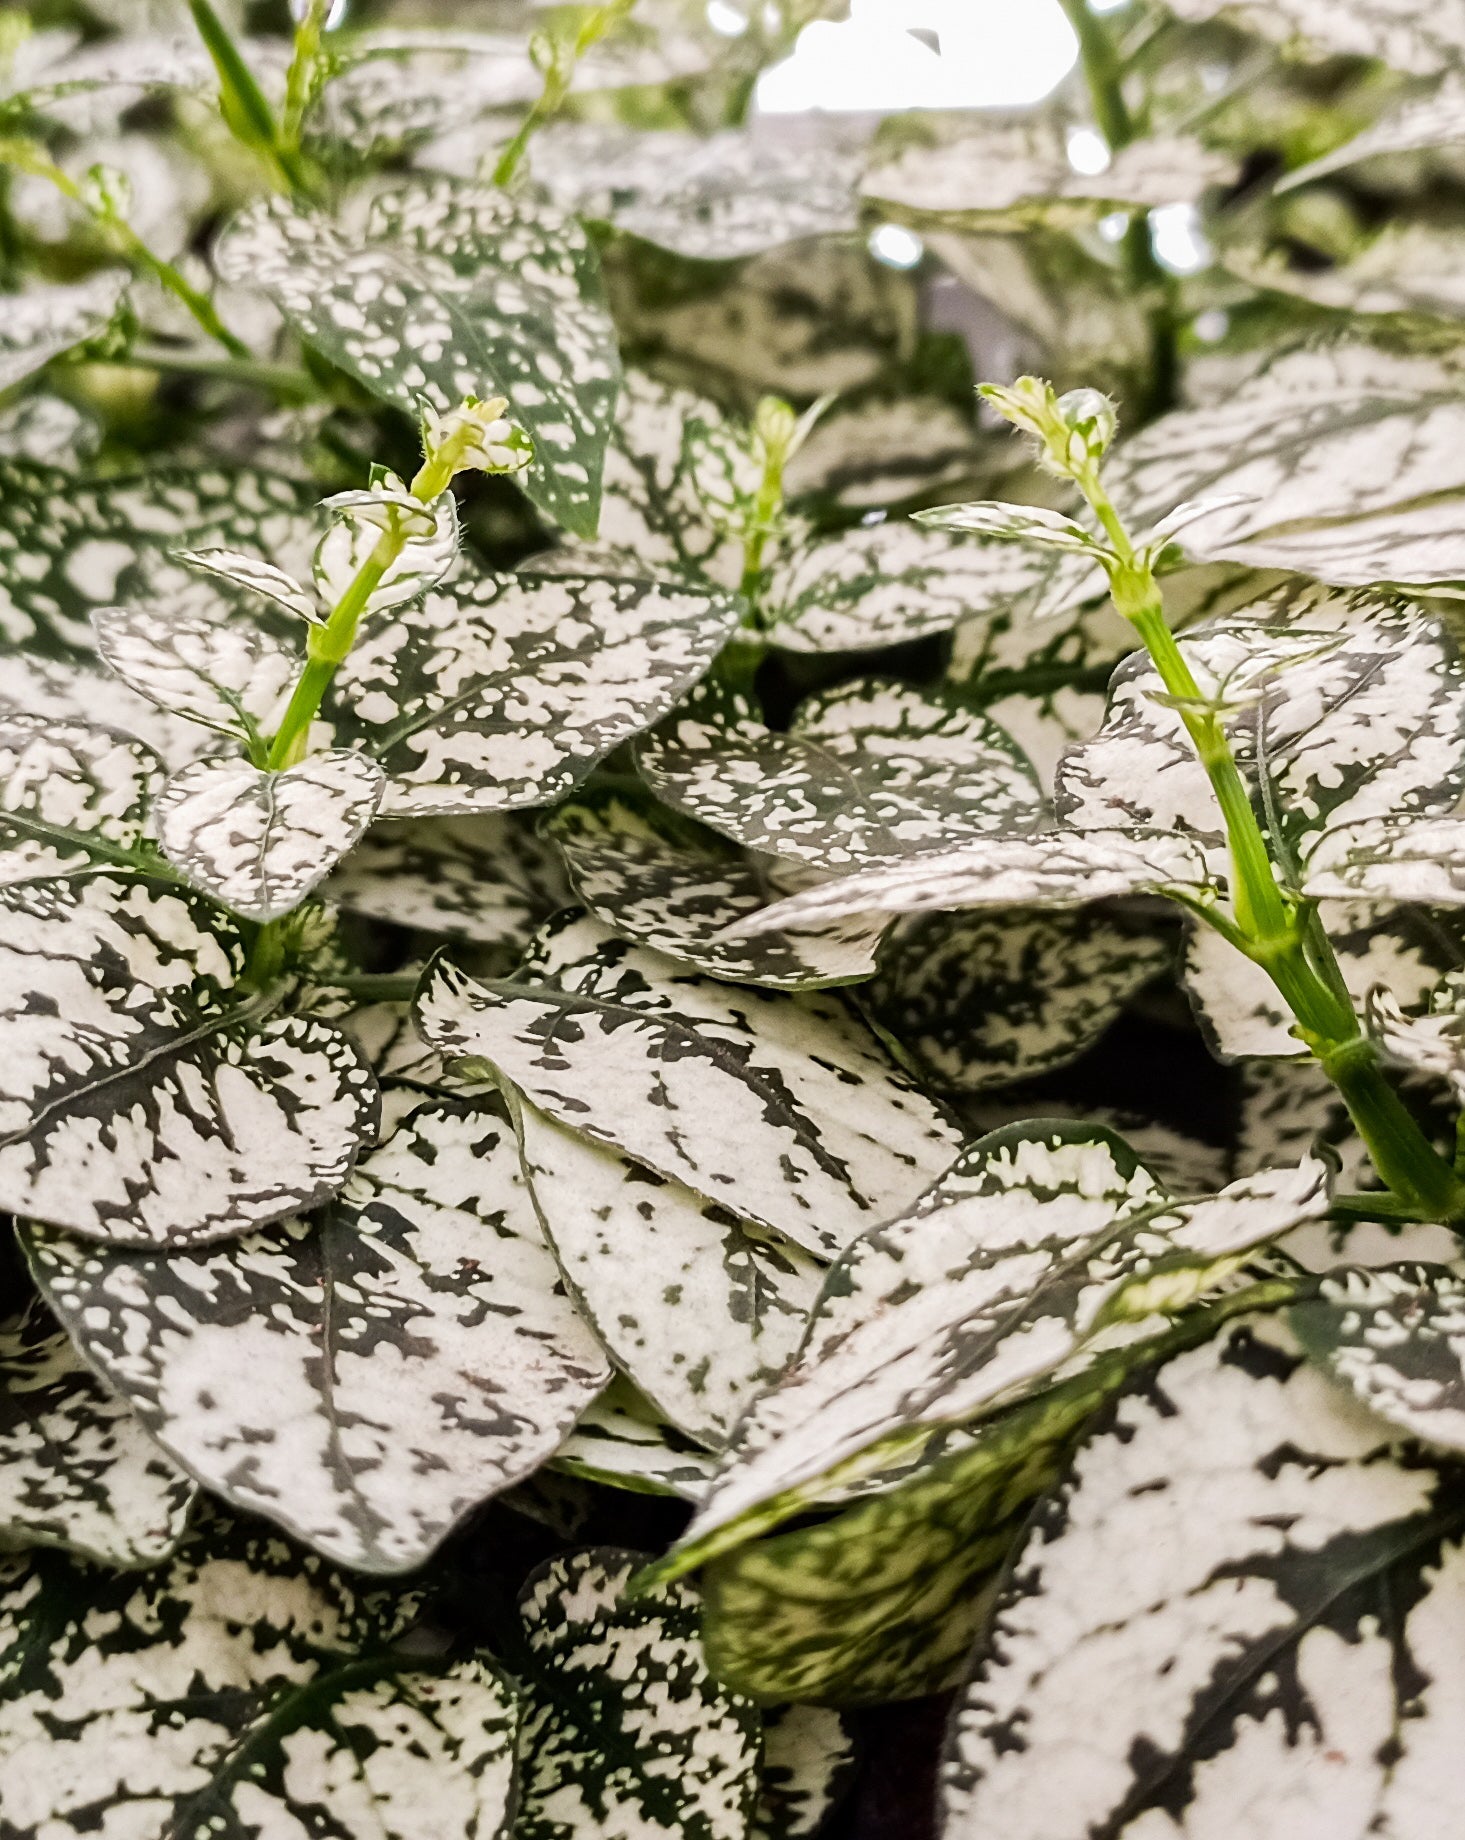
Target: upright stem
301, 78
244, 104
559, 55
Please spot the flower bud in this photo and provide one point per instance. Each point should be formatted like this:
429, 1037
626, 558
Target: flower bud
1090, 418
482, 437
1075, 430
107, 192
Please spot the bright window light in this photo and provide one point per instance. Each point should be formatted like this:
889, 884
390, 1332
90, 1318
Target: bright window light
896, 246
1179, 243
726, 19
1088, 152
993, 54
1106, 6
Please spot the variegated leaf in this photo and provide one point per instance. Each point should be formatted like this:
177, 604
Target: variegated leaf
1407, 268
1035, 1239
1433, 1044
364, 1378
1391, 857
1028, 524
869, 771
426, 555
45, 430
256, 576
44, 322
623, 1442
1411, 35
484, 878
780, 1107
259, 841
808, 1758
76, 1469
1277, 1596
70, 694
454, 291
625, 1730
226, 675
1015, 173
653, 877
1413, 124
504, 691
145, 1098
698, 1307
71, 798
242, 1688
983, 999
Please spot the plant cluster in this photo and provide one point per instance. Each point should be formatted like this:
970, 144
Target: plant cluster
689, 1039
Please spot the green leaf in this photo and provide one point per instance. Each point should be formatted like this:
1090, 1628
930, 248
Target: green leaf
782, 1108
1414, 124
43, 322
259, 842
676, 887
76, 1469
623, 1442
869, 771
242, 1687
504, 691
145, 1098
1237, 1601
363, 1378
808, 1759
625, 1731
454, 290
71, 798
1411, 35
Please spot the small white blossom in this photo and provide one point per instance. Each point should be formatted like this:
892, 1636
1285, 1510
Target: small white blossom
492, 443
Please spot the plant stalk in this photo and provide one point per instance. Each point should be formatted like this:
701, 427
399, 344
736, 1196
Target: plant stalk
243, 104
559, 57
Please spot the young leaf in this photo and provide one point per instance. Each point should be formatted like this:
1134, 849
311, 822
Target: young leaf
1409, 35
1028, 524
258, 842
364, 1378
256, 576
244, 1688
676, 887
808, 1758
695, 1305
425, 558
453, 291
145, 1099
44, 322
1281, 1617
781, 1108
76, 1469
225, 675
625, 1731
870, 771
998, 1276
623, 1442
71, 797
504, 691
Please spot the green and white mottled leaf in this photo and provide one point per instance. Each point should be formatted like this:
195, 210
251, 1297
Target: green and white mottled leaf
1262, 1642
625, 1730
244, 1688
1434, 1044
454, 291
1030, 524
363, 1378
781, 1107
484, 878
259, 841
653, 877
504, 691
256, 576
983, 999
223, 674
698, 1307
145, 1098
427, 554
43, 322
1012, 174
73, 695
623, 1442
878, 450
869, 771
1413, 125
71, 797
1391, 858
44, 430
76, 1468
1422, 37
808, 1759
999, 1275
1396, 1338
1407, 268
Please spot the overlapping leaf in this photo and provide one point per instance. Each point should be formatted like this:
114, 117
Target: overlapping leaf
1414, 124
1408, 268
454, 291
40, 324
808, 1757
1281, 1616
71, 797
1411, 35
223, 674
623, 1442
241, 1687
504, 691
145, 1098
363, 1378
781, 1108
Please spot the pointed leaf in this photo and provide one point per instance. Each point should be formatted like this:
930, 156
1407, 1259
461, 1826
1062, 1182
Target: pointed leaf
225, 675
347, 547
365, 1378
623, 1442
1414, 124
258, 576
145, 1099
44, 322
70, 797
1031, 524
505, 691
625, 1731
259, 842
454, 291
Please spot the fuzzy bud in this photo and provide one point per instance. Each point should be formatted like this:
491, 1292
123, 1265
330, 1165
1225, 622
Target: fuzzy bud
481, 435
107, 192
1075, 430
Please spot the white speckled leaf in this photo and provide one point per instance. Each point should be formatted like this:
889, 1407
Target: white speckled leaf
1411, 125
256, 575
1422, 37
1434, 1044
346, 548
258, 841
1029, 524
50, 431
652, 877
76, 1469
869, 771
505, 691
224, 674
241, 1688
43, 322
698, 1307
1407, 268
70, 694
485, 878
1237, 1614
808, 1758
625, 1731
624, 1442
454, 291
983, 999
366, 1377
146, 1099
1391, 858
1001, 1272
71, 797
781, 1107
1011, 174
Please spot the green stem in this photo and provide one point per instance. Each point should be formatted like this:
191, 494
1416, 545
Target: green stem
291, 386
1102, 74
301, 78
243, 103
559, 56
